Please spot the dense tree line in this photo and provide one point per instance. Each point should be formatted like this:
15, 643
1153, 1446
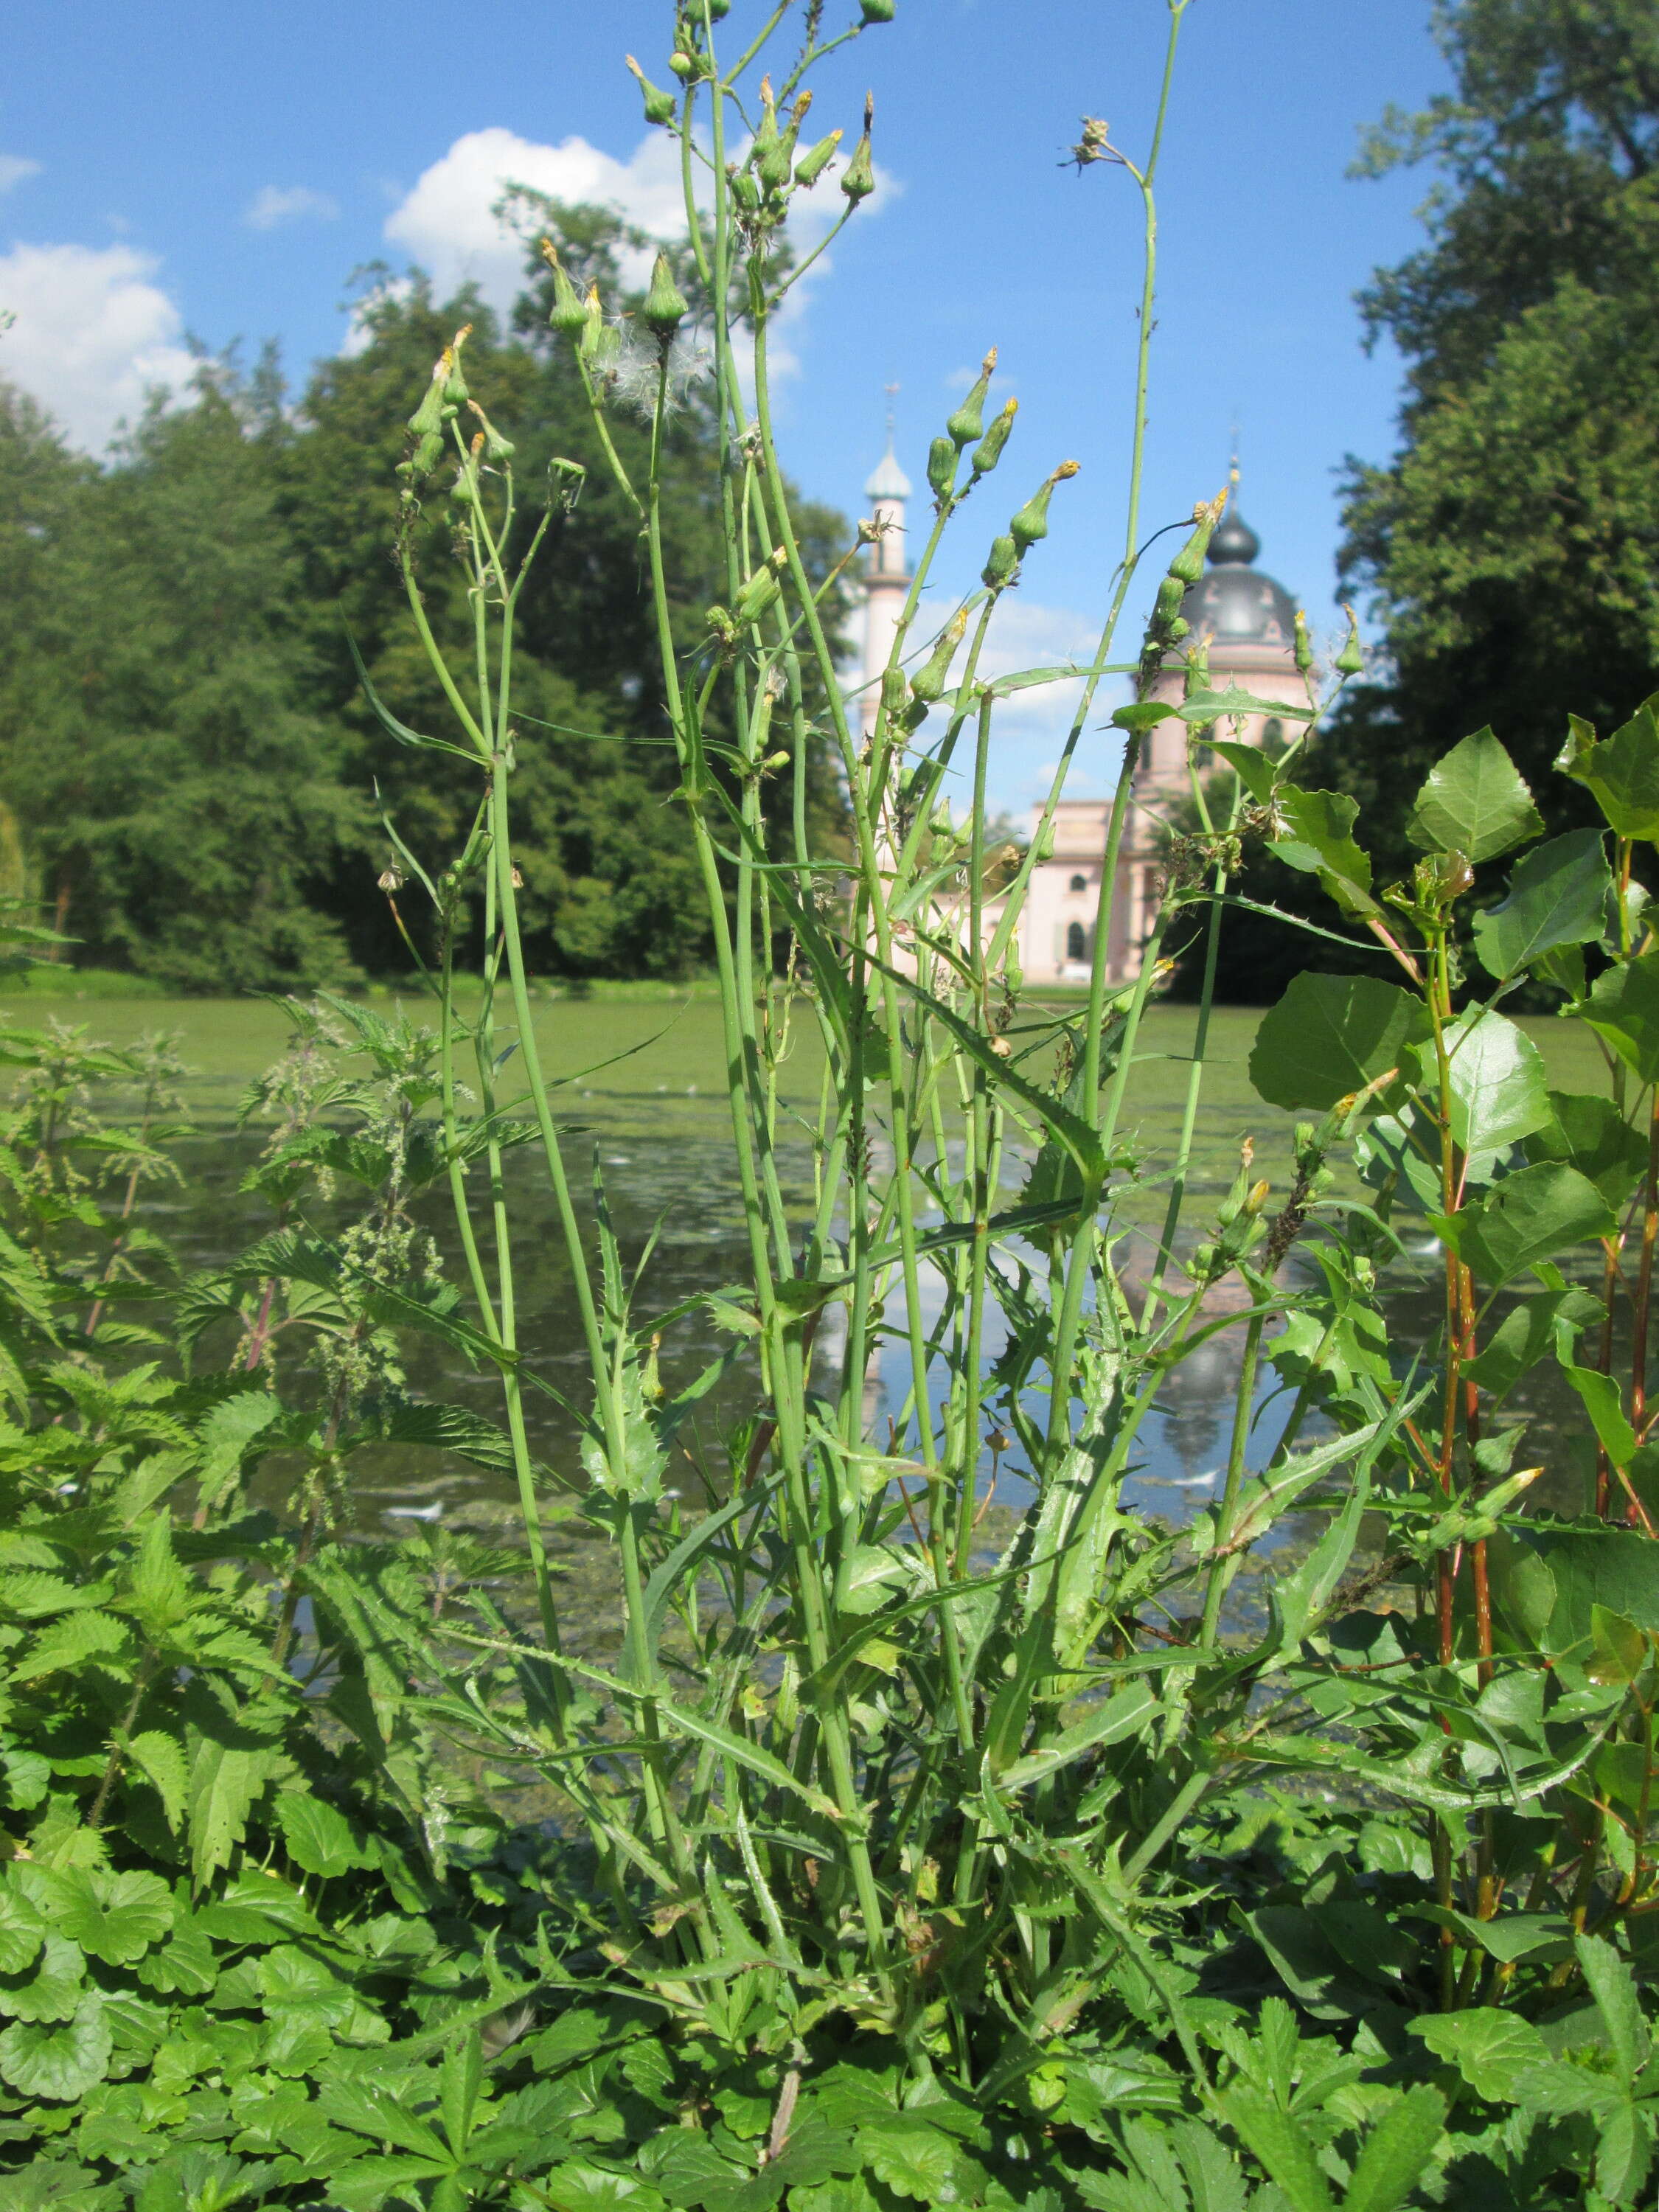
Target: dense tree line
185, 745
1510, 547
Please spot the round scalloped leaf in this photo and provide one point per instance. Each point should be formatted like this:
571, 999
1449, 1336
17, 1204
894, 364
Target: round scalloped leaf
113, 1916
59, 2059
52, 1988
21, 1932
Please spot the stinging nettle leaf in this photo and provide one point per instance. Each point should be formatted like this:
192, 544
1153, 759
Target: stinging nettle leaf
1474, 802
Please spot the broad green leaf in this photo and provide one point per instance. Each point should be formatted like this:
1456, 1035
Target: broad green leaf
913, 2159
21, 1932
1622, 771
113, 1916
1604, 1403
1329, 1035
1530, 1216
1623, 1007
1498, 1093
1551, 1581
1526, 1333
1397, 2152
1619, 1650
58, 2060
52, 1988
577, 2186
1589, 1133
1475, 803
1313, 832
1143, 714
1253, 767
1556, 897
318, 1837
1610, 1982
1489, 2048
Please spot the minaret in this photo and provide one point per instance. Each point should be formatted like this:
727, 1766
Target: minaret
887, 576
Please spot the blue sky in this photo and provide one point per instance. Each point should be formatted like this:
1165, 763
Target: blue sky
172, 167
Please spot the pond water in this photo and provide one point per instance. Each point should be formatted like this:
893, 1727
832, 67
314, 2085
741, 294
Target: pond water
657, 1121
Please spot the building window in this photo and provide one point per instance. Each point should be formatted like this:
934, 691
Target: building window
1077, 943
1272, 731
1079, 883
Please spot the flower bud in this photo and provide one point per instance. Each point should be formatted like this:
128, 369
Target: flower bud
1170, 593
1350, 661
895, 689
592, 324
745, 190
455, 390
429, 452
496, 447
770, 157
969, 421
660, 107
1032, 520
988, 452
878, 11
569, 314
1188, 564
664, 307
811, 165
942, 468
1004, 559
683, 64
760, 591
1304, 643
390, 879
429, 416
858, 179
928, 684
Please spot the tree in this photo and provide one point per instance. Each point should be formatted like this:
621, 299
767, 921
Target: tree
1511, 547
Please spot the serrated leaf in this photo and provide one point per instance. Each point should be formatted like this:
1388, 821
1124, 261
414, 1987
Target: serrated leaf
1623, 1007
1530, 1216
116, 1918
58, 2060
318, 1839
70, 1642
21, 1932
227, 1773
1489, 2048
1281, 2144
1397, 2152
1329, 1035
1557, 896
1313, 832
1474, 802
52, 1988
159, 1757
1610, 1982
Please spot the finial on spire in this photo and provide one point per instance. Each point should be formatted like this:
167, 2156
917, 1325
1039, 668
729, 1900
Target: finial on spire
888, 481
892, 391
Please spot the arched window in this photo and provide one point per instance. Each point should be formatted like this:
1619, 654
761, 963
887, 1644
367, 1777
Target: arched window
1077, 942
1272, 731
1079, 883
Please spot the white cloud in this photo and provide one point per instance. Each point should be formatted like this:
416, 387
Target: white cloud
275, 204
92, 334
445, 222
14, 169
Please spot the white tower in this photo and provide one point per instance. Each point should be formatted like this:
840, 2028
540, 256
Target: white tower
887, 576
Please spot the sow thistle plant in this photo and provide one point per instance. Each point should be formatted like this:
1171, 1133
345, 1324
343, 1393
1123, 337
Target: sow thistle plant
900, 1854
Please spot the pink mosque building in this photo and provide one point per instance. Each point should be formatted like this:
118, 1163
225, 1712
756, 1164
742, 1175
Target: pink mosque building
1250, 619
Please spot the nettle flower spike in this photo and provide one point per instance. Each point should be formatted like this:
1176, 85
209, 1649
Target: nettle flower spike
569, 315
1032, 520
660, 106
858, 179
665, 306
969, 421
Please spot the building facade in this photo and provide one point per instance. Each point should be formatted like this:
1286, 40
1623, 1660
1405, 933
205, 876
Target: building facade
1250, 620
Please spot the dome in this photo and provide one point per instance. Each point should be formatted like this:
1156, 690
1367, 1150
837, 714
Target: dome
1235, 602
889, 480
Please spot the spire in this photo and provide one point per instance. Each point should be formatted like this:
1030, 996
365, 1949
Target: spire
888, 480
